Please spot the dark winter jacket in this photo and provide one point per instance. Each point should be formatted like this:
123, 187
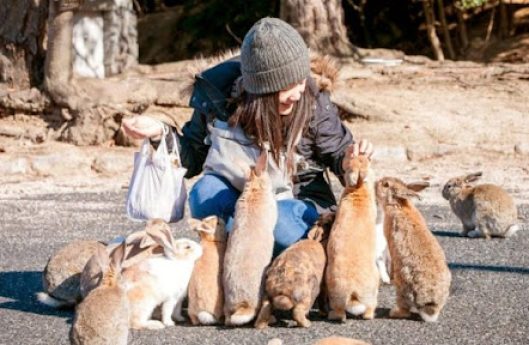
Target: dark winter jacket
322, 145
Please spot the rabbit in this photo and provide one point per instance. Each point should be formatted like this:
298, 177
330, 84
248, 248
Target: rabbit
352, 277
418, 264
340, 341
161, 279
485, 210
102, 317
205, 293
250, 246
294, 278
61, 276
139, 246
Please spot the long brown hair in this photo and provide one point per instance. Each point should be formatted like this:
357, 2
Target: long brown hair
259, 117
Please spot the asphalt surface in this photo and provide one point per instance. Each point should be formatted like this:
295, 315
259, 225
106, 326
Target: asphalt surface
489, 302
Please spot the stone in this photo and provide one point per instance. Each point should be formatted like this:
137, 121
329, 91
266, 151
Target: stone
71, 162
522, 149
14, 166
112, 163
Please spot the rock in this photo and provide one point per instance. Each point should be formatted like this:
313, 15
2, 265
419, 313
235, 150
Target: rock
397, 153
13, 166
112, 163
522, 149
71, 162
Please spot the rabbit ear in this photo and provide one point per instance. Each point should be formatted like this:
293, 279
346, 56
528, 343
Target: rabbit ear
405, 193
316, 233
473, 177
162, 235
418, 186
209, 224
194, 223
262, 163
117, 256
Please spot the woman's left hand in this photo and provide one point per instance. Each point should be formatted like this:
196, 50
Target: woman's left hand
363, 147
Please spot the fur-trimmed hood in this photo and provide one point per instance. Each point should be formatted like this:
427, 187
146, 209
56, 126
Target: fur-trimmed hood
324, 69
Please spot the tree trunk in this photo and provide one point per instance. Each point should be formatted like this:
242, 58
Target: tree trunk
320, 23
430, 25
462, 27
446, 32
21, 35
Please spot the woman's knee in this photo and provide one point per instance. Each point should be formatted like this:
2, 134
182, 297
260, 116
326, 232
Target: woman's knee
212, 195
295, 218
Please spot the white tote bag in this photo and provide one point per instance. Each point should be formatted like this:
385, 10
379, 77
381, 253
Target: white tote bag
157, 189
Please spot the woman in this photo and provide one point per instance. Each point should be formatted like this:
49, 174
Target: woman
264, 99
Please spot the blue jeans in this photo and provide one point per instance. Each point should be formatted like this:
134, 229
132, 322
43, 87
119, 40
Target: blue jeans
214, 195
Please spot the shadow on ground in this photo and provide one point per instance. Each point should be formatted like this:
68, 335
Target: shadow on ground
20, 287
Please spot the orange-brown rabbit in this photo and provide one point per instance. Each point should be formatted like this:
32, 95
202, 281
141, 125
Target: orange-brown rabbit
352, 276
205, 293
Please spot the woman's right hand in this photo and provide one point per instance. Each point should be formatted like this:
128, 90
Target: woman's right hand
141, 127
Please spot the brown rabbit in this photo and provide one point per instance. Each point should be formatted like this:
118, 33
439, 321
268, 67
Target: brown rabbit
418, 265
485, 210
294, 278
250, 246
205, 294
139, 246
102, 318
352, 276
62, 274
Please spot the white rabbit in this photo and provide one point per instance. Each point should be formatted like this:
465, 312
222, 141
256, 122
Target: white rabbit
161, 280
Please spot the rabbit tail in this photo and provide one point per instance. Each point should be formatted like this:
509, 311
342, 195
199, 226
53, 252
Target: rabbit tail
206, 318
242, 315
283, 302
50, 301
512, 229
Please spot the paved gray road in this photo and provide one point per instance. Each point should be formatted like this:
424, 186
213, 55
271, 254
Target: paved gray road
489, 302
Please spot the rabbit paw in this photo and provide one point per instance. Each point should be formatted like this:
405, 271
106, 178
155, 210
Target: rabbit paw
152, 324
178, 318
474, 234
168, 323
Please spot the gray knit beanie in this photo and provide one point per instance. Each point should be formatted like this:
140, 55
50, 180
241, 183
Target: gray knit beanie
273, 56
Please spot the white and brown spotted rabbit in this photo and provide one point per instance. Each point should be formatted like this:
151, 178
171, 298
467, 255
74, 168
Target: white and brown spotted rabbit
293, 280
418, 264
161, 280
485, 210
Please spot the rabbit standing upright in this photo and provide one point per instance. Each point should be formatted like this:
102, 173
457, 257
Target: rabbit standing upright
485, 210
61, 276
161, 279
352, 277
206, 296
418, 264
294, 278
250, 246
102, 318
